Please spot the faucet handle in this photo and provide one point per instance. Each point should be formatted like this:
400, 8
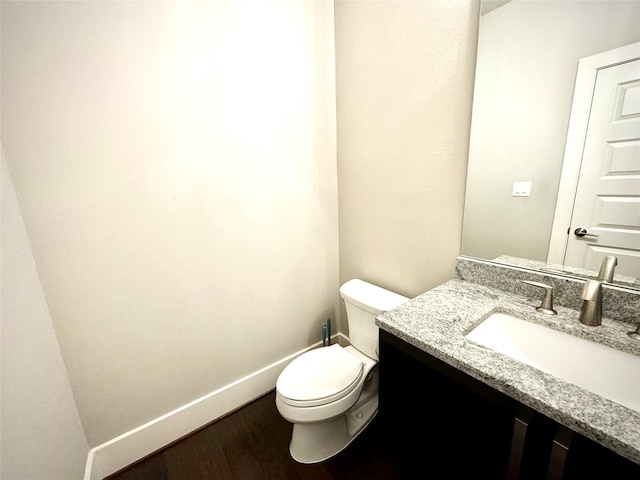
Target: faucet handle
636, 333
547, 302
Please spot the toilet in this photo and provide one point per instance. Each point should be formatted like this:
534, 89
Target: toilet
330, 394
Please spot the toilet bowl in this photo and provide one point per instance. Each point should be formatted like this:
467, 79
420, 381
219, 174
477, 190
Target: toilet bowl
330, 394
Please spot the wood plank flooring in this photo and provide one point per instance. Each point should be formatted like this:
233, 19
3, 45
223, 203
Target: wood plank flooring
253, 443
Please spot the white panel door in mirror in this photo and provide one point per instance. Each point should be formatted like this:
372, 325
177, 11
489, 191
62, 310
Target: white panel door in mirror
607, 202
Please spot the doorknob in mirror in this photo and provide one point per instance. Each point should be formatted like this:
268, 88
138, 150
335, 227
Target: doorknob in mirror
582, 232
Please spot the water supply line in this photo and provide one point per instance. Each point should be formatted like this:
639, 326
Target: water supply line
326, 333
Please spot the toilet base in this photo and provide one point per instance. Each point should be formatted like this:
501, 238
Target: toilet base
316, 442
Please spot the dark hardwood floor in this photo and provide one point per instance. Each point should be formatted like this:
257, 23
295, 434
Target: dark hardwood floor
253, 443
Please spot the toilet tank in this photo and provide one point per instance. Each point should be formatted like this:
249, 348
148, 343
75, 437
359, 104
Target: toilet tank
364, 302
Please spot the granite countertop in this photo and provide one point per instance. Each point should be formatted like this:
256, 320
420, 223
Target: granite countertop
438, 320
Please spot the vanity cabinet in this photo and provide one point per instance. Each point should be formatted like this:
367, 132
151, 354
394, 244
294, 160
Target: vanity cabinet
437, 418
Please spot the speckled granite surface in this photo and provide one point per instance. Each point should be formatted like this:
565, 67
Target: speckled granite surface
619, 303
437, 321
622, 280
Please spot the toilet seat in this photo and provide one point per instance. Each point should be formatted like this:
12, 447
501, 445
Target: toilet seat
320, 376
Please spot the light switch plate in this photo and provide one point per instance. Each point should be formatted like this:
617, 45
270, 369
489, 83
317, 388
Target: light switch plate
521, 189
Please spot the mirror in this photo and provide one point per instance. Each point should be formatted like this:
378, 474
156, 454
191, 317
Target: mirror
528, 54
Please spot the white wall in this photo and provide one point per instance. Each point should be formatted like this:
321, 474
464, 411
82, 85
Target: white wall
404, 82
175, 165
528, 54
42, 437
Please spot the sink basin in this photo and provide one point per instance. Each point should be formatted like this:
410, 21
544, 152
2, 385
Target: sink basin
603, 370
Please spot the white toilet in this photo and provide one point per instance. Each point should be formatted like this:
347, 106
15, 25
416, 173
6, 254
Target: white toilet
330, 394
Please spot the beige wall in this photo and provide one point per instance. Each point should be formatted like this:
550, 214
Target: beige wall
175, 165
405, 73
42, 437
176, 169
522, 103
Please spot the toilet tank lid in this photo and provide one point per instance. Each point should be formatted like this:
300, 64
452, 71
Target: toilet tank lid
370, 297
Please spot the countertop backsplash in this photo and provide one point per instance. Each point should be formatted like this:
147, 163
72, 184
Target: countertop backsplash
619, 303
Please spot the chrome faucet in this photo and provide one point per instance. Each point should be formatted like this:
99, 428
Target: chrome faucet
591, 313
609, 263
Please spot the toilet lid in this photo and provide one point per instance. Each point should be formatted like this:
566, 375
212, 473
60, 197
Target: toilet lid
322, 373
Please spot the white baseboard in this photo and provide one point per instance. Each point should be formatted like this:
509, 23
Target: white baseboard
129, 447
